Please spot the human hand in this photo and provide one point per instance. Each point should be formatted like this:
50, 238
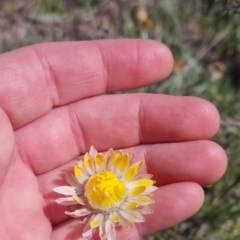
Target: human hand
52, 110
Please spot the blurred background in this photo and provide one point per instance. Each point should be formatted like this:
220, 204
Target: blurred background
204, 36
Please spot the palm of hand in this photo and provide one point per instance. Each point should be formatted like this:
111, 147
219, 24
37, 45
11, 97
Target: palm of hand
55, 115
22, 214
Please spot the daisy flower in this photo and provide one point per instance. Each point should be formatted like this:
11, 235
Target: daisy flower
106, 191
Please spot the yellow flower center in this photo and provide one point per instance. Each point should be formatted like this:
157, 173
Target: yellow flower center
104, 190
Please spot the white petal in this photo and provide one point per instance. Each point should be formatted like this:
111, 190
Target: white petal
140, 182
110, 231
79, 190
96, 221
143, 176
78, 213
100, 162
85, 172
107, 231
132, 216
71, 180
124, 222
83, 221
142, 200
149, 190
88, 164
79, 199
145, 210
88, 231
102, 234
93, 152
65, 190
114, 217
66, 201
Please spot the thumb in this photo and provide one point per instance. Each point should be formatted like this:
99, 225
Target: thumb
7, 144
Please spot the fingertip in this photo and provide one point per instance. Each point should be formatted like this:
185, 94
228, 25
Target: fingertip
196, 192
204, 115
156, 59
211, 115
217, 161
190, 198
166, 60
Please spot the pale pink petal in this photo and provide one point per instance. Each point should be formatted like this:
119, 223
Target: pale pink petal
88, 164
79, 189
145, 210
79, 213
100, 162
96, 221
65, 190
102, 234
110, 231
83, 221
113, 217
107, 231
93, 152
88, 231
149, 190
141, 200
110, 156
71, 180
140, 182
143, 176
79, 199
124, 222
85, 172
66, 201
132, 216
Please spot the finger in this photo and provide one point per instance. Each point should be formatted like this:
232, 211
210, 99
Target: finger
7, 145
203, 162
36, 78
113, 122
173, 204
